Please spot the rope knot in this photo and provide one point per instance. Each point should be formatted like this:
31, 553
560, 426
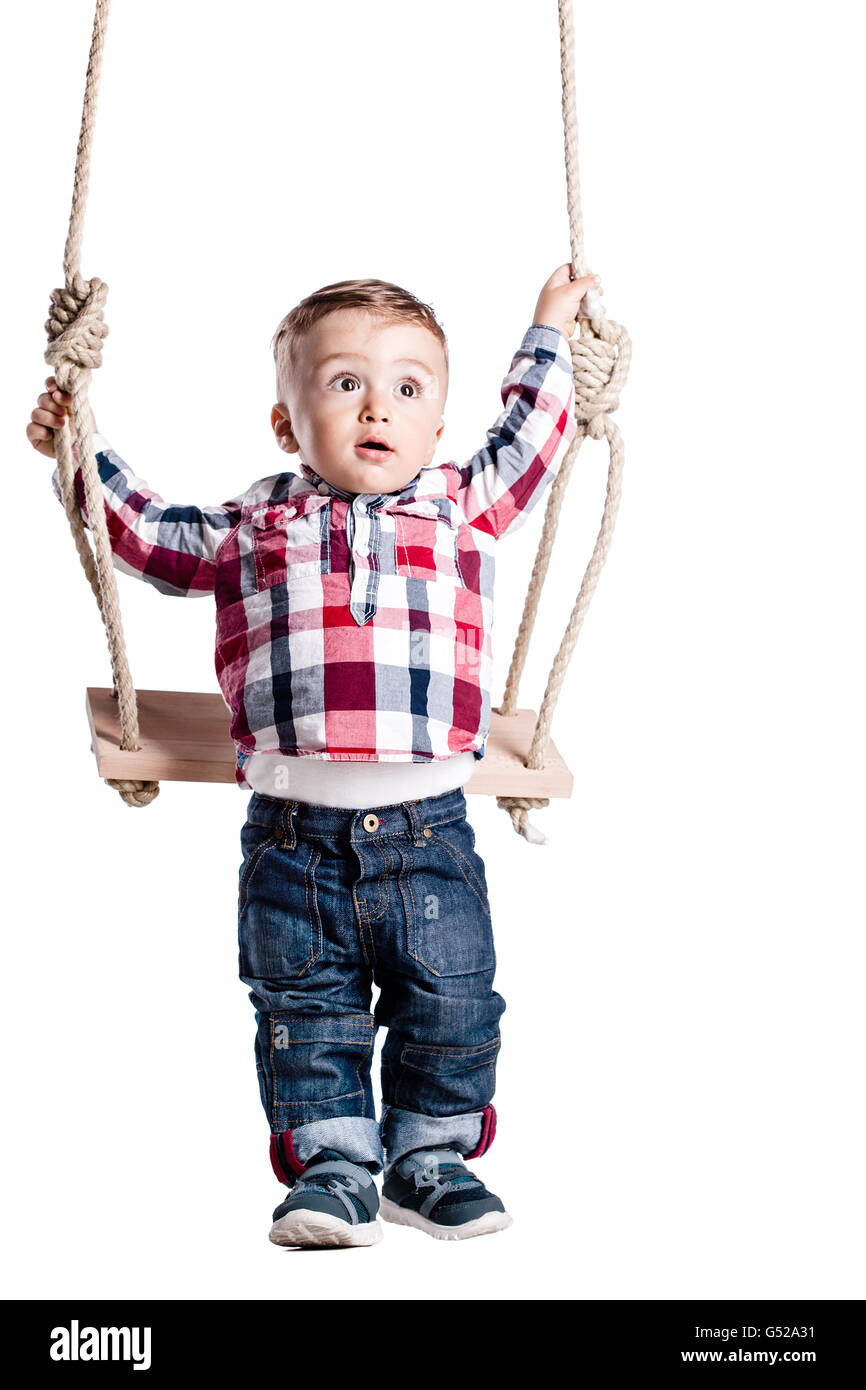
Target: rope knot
134, 793
517, 807
600, 359
75, 327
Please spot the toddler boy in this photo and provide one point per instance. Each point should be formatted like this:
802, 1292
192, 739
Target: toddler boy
354, 606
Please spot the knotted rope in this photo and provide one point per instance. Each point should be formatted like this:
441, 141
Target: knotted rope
76, 332
600, 361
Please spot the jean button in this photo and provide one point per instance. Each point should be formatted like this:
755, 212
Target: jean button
371, 822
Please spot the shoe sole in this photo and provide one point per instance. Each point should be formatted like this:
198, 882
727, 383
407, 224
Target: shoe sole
317, 1228
481, 1226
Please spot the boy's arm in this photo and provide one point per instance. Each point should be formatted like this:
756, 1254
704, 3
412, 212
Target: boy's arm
526, 446
169, 546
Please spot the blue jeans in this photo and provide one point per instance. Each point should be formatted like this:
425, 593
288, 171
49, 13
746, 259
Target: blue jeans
331, 900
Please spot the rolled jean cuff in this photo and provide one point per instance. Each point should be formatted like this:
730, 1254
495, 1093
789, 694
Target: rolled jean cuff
470, 1134
356, 1137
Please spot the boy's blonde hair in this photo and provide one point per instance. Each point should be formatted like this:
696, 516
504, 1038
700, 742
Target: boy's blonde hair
388, 302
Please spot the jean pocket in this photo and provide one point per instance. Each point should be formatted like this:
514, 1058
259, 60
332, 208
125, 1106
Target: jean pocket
446, 1080
449, 930
291, 544
318, 1058
279, 926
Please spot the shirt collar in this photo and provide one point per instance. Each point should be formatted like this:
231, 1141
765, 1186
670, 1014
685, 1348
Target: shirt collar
322, 485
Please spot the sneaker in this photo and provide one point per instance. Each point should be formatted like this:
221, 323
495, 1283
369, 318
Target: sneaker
434, 1190
333, 1202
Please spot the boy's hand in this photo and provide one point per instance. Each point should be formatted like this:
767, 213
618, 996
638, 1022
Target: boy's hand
48, 416
560, 299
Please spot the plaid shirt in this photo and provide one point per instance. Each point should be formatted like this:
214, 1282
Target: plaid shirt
356, 627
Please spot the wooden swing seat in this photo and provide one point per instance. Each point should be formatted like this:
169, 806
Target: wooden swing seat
184, 737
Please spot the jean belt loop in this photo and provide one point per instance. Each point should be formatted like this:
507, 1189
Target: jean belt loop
417, 827
287, 824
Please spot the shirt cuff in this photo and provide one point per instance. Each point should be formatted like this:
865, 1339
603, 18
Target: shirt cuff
543, 335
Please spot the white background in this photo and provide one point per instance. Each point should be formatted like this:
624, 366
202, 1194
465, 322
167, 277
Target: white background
680, 1086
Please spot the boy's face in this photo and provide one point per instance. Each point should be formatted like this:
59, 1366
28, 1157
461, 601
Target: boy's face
360, 377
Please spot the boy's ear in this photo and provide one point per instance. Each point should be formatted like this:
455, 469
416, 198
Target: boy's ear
437, 435
282, 427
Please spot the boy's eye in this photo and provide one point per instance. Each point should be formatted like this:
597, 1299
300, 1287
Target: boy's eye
406, 381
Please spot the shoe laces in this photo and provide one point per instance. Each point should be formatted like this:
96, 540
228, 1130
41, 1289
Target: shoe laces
328, 1182
449, 1170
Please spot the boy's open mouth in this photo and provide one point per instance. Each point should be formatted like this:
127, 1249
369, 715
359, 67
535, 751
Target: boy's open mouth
374, 450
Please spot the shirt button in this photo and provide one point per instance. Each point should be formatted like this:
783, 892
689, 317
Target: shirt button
371, 822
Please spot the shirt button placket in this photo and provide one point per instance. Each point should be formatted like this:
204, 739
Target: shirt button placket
361, 605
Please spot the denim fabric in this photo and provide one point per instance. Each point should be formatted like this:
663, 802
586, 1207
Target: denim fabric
402, 1130
332, 900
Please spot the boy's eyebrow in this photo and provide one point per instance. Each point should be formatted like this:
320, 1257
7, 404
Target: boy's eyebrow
398, 361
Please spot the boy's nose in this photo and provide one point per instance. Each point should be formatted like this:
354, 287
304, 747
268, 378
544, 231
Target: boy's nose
375, 401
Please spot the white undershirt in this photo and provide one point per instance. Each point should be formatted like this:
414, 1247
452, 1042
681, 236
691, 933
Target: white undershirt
355, 784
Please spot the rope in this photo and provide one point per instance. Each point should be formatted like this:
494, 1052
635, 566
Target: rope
600, 361
76, 332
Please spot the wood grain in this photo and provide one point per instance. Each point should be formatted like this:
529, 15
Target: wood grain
184, 737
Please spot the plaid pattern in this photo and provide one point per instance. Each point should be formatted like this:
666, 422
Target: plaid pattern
350, 626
